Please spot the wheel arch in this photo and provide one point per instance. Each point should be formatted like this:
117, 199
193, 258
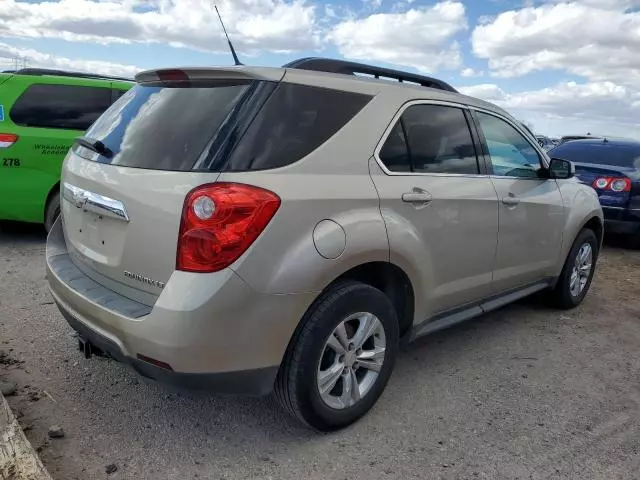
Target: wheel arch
55, 189
595, 224
387, 277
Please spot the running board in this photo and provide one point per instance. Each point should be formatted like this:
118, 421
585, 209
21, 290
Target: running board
448, 319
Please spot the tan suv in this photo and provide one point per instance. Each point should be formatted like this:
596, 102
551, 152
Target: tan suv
257, 229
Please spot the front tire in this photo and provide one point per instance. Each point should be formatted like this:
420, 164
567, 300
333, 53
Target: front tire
577, 273
340, 360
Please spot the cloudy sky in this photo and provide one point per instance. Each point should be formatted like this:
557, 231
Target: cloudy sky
565, 67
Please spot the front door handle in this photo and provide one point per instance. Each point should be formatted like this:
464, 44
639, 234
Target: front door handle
511, 200
416, 197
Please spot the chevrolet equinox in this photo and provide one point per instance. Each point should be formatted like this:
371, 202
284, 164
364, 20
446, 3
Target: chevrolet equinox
254, 230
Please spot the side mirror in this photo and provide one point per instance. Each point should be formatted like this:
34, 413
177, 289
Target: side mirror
561, 169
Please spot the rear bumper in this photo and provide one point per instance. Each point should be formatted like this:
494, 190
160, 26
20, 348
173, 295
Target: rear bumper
621, 221
209, 330
244, 382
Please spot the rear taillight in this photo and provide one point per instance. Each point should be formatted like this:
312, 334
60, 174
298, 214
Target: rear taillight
614, 184
7, 139
219, 223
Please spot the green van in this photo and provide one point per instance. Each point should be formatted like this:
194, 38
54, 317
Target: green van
41, 113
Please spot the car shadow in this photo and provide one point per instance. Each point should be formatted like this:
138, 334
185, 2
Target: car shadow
620, 242
23, 233
220, 419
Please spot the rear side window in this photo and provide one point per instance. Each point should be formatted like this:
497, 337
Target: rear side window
599, 153
430, 139
60, 106
295, 121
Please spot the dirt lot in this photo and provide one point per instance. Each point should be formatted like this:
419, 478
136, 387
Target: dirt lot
526, 392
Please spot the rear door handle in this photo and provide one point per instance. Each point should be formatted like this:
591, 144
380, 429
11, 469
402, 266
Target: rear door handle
511, 200
417, 197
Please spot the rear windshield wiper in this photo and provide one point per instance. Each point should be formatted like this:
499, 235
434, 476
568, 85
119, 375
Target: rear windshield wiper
95, 146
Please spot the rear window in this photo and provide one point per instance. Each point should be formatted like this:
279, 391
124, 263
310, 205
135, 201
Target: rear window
235, 126
60, 106
599, 153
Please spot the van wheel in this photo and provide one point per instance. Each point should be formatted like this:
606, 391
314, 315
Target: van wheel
340, 360
51, 211
578, 270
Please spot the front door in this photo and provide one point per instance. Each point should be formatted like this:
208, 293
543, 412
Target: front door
441, 212
531, 213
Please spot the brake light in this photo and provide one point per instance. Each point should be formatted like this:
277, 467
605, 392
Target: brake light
614, 184
173, 75
219, 223
7, 139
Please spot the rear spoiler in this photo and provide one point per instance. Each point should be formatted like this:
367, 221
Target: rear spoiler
208, 73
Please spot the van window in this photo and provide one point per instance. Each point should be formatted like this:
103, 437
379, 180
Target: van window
60, 106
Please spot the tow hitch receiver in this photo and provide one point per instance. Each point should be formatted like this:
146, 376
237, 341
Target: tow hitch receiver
88, 349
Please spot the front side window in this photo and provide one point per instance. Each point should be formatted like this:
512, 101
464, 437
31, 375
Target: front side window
430, 139
510, 152
60, 106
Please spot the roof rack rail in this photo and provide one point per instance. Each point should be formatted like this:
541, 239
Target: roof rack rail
65, 73
345, 67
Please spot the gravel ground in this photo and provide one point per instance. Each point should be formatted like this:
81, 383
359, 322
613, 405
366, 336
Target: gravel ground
526, 392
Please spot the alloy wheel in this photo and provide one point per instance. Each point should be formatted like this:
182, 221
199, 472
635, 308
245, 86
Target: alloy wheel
351, 360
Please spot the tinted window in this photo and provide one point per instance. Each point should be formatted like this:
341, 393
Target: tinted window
394, 153
60, 106
117, 93
511, 153
163, 127
599, 153
295, 121
430, 139
226, 126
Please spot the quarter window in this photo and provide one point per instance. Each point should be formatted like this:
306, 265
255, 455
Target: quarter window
60, 106
430, 139
511, 153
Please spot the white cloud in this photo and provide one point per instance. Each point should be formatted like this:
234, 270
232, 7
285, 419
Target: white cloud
421, 38
470, 72
602, 107
596, 39
254, 25
485, 91
33, 58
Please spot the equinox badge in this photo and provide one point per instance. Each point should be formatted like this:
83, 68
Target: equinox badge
143, 279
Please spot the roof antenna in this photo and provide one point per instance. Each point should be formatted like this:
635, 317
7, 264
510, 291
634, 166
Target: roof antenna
233, 52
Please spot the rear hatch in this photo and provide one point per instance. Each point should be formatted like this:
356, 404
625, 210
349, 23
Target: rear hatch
588, 173
124, 183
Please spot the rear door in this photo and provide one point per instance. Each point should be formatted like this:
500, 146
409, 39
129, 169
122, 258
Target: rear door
122, 204
531, 211
434, 195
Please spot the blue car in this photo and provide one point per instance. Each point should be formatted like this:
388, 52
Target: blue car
612, 168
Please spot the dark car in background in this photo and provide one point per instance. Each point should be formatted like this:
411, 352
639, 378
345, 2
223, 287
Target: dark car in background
612, 168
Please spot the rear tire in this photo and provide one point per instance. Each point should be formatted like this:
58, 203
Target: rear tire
51, 211
339, 362
574, 281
